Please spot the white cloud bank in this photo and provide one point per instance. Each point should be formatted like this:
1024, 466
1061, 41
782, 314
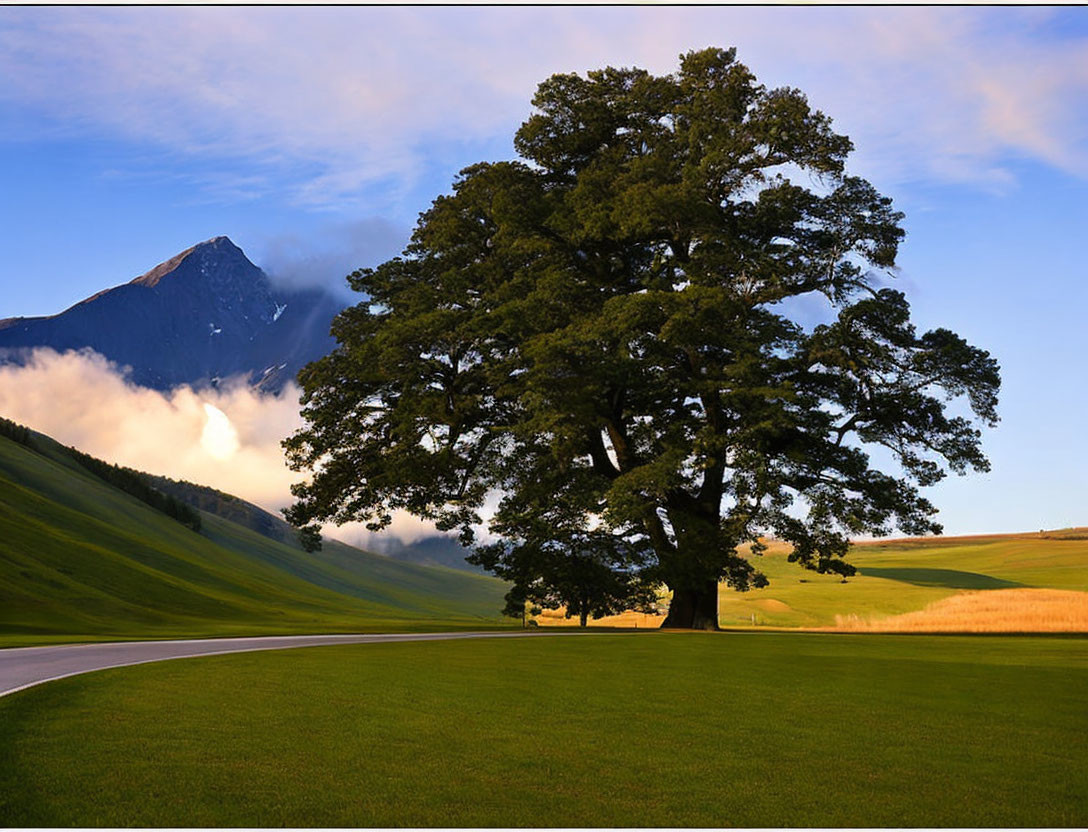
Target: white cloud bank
228, 439
338, 100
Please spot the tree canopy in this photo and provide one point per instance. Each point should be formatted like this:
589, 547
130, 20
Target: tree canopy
613, 338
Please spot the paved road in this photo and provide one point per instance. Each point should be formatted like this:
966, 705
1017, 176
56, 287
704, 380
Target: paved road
24, 667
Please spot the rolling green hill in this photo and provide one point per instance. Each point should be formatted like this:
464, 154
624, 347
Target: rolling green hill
82, 559
900, 576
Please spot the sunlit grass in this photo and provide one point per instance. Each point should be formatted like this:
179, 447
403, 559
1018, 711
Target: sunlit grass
993, 611
997, 583
628, 620
897, 577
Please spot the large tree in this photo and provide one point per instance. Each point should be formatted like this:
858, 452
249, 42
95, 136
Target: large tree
629, 311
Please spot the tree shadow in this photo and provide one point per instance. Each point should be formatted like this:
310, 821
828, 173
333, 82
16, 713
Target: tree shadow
951, 578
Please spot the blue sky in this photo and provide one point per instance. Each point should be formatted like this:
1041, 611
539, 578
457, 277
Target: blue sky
314, 137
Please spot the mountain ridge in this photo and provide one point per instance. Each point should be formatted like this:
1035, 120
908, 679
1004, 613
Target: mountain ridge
152, 276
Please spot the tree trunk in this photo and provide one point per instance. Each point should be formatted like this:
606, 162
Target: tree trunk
584, 617
694, 609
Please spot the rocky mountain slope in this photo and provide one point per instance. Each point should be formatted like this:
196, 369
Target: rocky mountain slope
198, 318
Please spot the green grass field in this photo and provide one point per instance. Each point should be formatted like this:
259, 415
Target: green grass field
81, 560
760, 729
899, 576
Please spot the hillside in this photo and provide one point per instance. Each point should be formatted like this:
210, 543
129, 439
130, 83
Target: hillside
437, 550
79, 558
896, 577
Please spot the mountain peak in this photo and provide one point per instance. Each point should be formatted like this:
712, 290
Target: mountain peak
221, 244
215, 248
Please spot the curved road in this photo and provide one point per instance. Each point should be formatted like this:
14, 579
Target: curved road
24, 667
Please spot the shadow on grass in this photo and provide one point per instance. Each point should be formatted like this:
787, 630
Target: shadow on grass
951, 578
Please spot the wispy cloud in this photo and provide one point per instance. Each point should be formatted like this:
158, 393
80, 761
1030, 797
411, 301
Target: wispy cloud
340, 100
325, 256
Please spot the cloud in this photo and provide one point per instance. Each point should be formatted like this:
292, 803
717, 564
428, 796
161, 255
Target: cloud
81, 399
325, 256
404, 528
347, 105
228, 438
959, 95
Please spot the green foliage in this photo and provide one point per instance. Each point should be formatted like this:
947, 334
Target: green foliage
514, 606
559, 561
15, 432
615, 320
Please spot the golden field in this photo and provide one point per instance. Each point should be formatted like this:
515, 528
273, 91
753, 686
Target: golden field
640, 620
986, 611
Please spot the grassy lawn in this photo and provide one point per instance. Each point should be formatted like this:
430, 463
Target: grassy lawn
762, 729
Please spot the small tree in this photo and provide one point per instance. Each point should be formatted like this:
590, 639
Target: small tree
518, 606
558, 554
309, 537
515, 604
585, 580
